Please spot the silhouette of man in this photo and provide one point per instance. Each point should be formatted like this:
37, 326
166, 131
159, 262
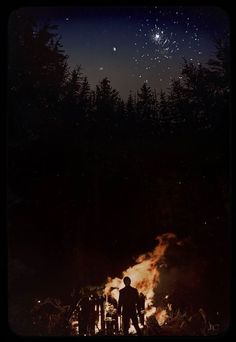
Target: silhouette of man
84, 313
129, 302
87, 314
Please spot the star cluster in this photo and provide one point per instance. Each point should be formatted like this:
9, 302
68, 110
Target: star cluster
162, 40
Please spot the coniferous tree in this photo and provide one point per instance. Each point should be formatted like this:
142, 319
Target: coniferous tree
84, 98
208, 88
220, 66
178, 105
106, 99
121, 108
219, 77
92, 101
73, 85
37, 69
145, 104
198, 93
130, 107
71, 99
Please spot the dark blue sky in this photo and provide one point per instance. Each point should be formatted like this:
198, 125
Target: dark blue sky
132, 45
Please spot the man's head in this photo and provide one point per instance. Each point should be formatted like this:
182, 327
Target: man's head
127, 281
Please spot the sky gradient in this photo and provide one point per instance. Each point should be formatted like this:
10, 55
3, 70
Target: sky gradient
133, 45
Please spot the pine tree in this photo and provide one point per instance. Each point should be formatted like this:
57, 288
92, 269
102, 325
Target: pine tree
219, 79
73, 87
178, 105
220, 66
198, 92
106, 99
145, 104
84, 97
121, 107
130, 107
37, 69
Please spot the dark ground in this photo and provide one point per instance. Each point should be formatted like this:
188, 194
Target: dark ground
80, 211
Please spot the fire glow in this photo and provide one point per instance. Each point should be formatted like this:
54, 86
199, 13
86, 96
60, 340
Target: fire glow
144, 276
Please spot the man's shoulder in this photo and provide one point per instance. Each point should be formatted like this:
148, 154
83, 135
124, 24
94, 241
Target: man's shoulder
128, 289
134, 289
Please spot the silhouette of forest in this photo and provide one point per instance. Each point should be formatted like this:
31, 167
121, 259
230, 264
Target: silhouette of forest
50, 103
84, 164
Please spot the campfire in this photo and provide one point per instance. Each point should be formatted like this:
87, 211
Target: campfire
160, 316
145, 277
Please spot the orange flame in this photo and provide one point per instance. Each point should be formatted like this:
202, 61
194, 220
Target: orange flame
144, 274
161, 316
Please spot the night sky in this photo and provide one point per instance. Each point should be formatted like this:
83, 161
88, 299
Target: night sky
133, 45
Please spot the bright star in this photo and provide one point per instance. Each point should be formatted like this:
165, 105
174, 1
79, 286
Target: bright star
114, 48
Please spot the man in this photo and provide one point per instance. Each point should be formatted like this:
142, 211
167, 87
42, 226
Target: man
87, 314
129, 302
84, 313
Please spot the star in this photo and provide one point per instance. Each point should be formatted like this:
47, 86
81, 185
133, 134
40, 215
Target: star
101, 68
114, 48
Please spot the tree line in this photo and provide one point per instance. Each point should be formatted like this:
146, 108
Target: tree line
46, 97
